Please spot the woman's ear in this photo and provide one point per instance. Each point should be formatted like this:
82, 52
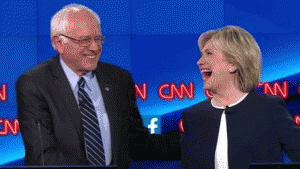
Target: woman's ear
232, 67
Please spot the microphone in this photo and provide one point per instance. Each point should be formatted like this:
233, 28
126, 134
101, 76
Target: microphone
42, 152
227, 110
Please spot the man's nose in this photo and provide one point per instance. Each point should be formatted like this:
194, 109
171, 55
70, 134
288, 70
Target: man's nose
95, 45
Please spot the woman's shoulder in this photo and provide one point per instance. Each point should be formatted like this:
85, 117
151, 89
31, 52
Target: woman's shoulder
262, 98
201, 106
261, 104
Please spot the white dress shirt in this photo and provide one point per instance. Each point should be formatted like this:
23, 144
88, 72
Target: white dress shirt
93, 90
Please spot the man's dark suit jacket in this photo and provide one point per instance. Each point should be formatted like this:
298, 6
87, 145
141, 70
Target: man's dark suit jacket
50, 120
258, 129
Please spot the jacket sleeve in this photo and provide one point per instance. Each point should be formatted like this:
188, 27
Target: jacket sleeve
288, 132
36, 126
145, 146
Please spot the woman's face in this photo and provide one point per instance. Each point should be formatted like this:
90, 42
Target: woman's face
215, 69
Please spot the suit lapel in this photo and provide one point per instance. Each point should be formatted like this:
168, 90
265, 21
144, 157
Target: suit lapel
108, 95
68, 106
62, 87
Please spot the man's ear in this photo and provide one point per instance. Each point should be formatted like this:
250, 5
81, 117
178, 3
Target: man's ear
57, 42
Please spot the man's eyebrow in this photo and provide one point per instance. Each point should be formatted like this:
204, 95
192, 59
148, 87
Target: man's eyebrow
84, 37
89, 37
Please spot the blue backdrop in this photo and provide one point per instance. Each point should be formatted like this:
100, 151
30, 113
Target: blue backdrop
156, 40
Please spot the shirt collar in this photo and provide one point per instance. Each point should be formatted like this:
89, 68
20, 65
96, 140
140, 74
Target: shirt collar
73, 78
88, 77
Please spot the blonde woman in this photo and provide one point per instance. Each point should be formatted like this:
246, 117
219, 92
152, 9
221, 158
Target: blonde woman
237, 126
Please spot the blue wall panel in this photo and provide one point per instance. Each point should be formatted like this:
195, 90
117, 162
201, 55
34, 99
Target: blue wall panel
176, 16
18, 18
115, 15
156, 40
17, 56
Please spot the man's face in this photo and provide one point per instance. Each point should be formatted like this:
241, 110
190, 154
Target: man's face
82, 26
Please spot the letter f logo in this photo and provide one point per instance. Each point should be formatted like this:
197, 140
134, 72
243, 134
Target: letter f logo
152, 126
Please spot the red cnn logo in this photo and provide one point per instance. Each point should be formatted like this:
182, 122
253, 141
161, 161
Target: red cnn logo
297, 119
180, 91
141, 92
3, 93
275, 89
9, 126
180, 126
208, 94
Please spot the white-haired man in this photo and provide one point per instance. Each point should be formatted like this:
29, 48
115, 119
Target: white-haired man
75, 110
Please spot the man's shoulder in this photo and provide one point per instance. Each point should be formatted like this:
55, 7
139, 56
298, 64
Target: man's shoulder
47, 66
109, 69
42, 68
37, 76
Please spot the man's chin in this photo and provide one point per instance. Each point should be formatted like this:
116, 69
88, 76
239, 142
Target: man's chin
91, 66
91, 69
87, 69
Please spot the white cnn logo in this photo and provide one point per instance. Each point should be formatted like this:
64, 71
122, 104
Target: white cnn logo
152, 126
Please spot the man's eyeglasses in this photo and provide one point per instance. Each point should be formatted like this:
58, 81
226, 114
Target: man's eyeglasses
87, 41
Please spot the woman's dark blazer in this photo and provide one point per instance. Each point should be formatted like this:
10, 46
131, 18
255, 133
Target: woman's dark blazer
258, 129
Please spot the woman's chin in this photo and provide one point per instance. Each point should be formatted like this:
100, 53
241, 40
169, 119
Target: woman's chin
206, 86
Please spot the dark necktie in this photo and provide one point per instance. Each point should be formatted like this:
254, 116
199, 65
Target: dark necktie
91, 131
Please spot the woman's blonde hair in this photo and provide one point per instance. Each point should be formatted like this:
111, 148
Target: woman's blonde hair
240, 48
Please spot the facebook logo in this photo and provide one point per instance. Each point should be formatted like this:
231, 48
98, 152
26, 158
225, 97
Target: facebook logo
152, 122
153, 125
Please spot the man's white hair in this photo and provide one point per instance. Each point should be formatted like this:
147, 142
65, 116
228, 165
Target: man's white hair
60, 20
